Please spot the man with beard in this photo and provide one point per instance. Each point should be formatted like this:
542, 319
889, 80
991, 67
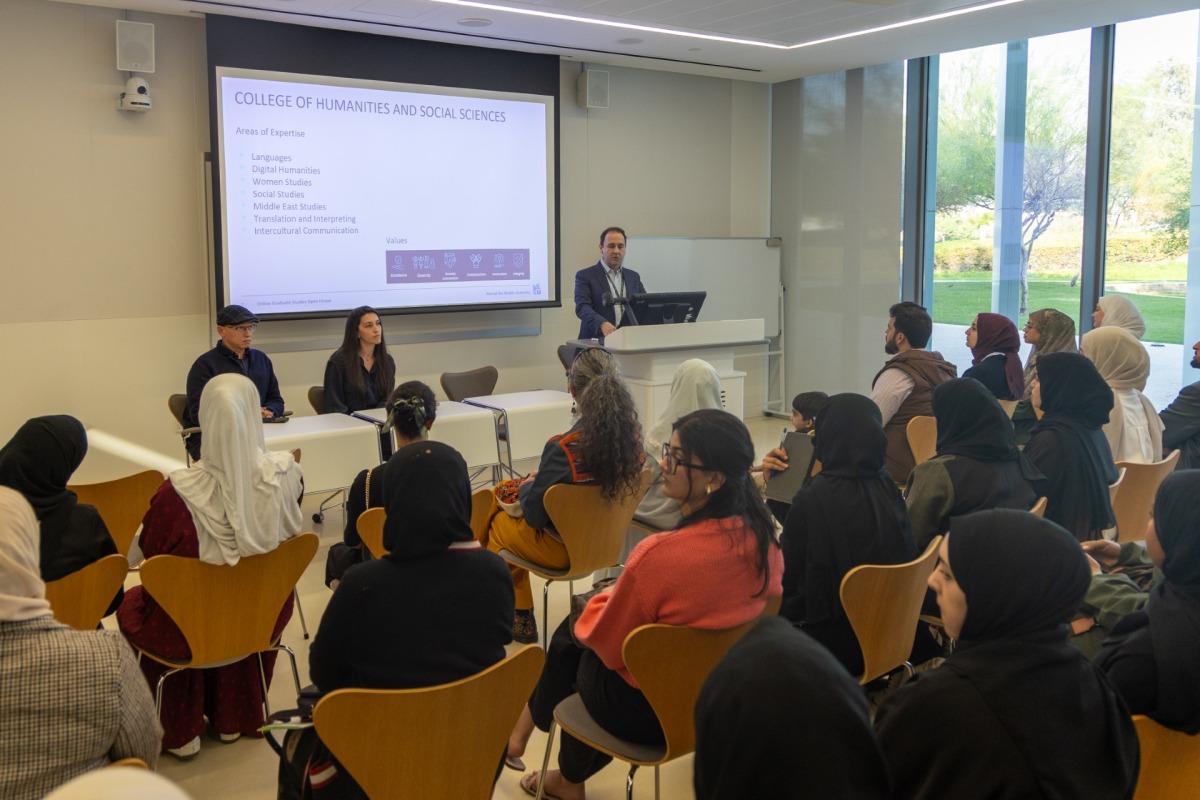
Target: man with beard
1182, 421
903, 389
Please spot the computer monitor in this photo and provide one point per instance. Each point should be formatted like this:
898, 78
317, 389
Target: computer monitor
664, 308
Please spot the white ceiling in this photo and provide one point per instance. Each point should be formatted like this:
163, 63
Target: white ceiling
772, 28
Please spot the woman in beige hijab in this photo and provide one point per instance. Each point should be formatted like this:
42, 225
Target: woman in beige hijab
1134, 431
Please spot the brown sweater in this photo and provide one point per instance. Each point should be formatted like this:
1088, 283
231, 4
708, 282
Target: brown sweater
927, 370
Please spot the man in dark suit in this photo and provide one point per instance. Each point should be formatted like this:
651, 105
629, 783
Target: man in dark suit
606, 275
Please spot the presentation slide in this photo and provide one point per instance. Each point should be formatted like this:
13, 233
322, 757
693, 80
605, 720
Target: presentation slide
339, 193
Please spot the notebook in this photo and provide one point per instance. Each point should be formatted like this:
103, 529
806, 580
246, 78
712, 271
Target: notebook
783, 485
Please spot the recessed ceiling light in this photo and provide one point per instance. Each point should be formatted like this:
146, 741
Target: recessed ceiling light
730, 39
629, 40
693, 49
474, 22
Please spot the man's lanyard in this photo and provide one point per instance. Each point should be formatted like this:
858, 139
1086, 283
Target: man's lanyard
618, 311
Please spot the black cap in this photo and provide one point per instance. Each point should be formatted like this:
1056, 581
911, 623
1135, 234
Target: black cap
235, 315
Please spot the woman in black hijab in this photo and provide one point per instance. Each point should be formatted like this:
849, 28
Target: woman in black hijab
437, 608
849, 514
1016, 711
38, 462
977, 467
1068, 445
800, 727
1153, 655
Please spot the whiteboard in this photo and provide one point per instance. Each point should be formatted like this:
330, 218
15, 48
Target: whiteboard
741, 276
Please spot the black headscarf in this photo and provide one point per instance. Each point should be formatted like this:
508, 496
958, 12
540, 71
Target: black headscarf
970, 422
850, 514
1076, 402
780, 717
427, 495
1024, 578
40, 459
1174, 606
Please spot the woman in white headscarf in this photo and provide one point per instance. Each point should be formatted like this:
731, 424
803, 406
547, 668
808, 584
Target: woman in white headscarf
70, 701
1134, 431
237, 500
1115, 311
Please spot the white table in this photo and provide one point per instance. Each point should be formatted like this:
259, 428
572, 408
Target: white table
530, 418
334, 448
470, 430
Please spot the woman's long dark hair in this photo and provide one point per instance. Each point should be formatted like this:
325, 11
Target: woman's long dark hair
411, 408
721, 442
611, 437
385, 371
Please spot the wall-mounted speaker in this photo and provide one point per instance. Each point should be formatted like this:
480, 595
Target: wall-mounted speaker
135, 46
592, 88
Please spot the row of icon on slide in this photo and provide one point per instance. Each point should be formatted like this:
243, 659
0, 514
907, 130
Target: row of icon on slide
450, 259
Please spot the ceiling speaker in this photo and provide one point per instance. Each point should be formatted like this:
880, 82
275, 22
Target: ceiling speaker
592, 89
135, 46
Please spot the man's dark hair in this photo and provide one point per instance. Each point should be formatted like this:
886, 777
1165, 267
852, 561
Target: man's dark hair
613, 229
809, 403
913, 321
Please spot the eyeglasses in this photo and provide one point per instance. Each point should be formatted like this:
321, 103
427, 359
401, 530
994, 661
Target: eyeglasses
671, 463
245, 328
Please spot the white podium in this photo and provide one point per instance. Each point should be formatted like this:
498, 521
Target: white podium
649, 356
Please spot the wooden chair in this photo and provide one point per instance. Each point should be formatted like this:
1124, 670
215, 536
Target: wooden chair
439, 741
122, 503
1039, 508
883, 604
316, 398
458, 386
226, 613
481, 506
1133, 506
370, 530
130, 762
670, 663
1170, 761
592, 530
81, 598
1009, 406
922, 438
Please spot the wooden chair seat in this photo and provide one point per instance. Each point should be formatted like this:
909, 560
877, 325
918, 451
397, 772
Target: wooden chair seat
1170, 762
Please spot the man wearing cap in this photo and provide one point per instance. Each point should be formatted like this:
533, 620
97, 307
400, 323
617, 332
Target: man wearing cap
235, 327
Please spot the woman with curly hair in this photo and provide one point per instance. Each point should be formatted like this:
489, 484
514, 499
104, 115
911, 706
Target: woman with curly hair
603, 447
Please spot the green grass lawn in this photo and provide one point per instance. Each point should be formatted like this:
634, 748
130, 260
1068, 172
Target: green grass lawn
958, 301
1114, 272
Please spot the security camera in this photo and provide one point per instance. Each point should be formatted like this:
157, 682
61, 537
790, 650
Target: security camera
136, 96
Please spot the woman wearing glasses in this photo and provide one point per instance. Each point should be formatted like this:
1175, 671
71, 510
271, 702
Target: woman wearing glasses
603, 447
716, 571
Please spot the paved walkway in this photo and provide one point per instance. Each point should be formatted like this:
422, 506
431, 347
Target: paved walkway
1166, 361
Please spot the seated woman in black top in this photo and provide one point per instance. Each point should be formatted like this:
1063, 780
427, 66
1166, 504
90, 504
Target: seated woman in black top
38, 462
1068, 445
849, 514
977, 467
360, 374
411, 411
994, 356
436, 609
1015, 711
1153, 655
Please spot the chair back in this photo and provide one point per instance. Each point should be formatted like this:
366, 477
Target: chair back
481, 507
1009, 406
592, 528
81, 598
883, 604
226, 612
1170, 761
922, 438
1114, 488
177, 404
1039, 508
1135, 502
458, 386
439, 741
316, 398
670, 664
370, 530
566, 355
122, 503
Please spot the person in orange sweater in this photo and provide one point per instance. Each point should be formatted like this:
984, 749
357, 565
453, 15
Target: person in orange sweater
716, 571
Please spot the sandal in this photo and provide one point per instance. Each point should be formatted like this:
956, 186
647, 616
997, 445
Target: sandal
530, 784
514, 762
